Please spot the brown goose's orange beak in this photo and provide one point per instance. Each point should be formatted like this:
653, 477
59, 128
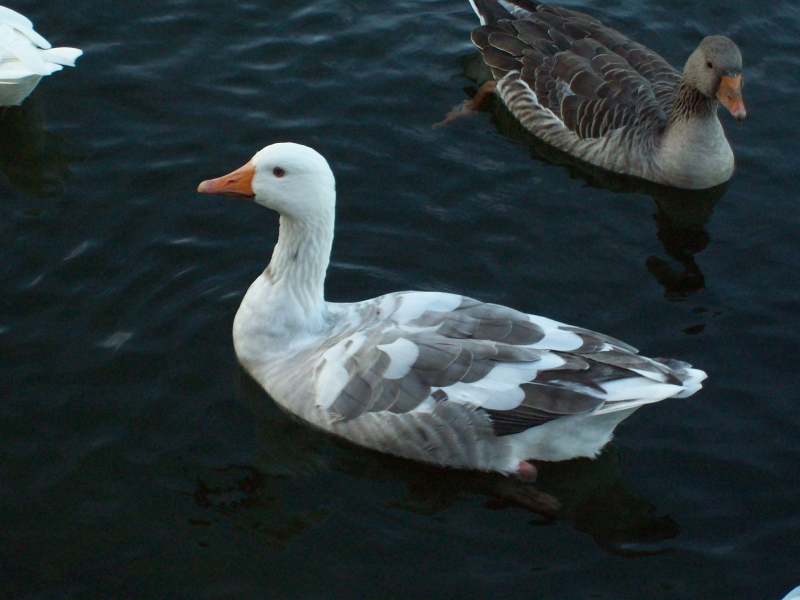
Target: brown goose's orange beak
730, 94
238, 184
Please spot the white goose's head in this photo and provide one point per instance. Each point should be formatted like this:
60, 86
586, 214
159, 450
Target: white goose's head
291, 179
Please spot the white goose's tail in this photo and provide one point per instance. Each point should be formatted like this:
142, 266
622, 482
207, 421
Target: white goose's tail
61, 56
691, 378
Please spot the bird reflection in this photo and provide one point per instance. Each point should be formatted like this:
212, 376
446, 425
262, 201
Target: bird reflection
256, 499
681, 215
35, 160
589, 493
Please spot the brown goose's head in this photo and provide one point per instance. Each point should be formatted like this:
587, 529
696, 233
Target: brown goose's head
715, 70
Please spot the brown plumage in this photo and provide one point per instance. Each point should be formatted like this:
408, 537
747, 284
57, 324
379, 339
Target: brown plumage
591, 91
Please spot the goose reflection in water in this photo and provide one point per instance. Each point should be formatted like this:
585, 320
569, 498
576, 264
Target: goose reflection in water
590, 494
34, 160
681, 215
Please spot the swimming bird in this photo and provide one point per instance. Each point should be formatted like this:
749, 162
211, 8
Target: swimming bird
793, 595
592, 92
431, 376
26, 57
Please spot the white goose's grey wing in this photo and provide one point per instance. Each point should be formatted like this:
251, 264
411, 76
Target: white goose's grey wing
591, 77
519, 369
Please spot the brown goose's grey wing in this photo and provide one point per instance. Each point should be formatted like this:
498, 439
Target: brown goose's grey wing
590, 76
520, 369
664, 79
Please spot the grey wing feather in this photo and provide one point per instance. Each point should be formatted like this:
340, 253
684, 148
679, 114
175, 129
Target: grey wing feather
414, 390
492, 322
585, 333
588, 377
635, 363
543, 402
364, 387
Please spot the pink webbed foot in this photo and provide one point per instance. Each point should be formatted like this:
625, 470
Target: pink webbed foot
526, 472
469, 107
518, 490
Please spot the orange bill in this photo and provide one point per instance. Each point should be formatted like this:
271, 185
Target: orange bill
730, 95
238, 184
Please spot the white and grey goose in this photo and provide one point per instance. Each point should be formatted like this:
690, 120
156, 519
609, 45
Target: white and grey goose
26, 57
434, 377
590, 91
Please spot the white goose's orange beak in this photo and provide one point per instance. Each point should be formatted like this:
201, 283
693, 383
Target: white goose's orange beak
730, 95
238, 184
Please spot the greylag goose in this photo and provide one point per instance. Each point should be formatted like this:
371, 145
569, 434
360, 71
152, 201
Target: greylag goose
436, 377
592, 92
26, 57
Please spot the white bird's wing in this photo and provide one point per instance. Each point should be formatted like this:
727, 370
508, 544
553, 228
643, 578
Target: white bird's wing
23, 25
418, 349
22, 49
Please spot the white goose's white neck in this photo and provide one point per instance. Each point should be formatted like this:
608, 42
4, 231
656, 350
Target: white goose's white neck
299, 262
286, 303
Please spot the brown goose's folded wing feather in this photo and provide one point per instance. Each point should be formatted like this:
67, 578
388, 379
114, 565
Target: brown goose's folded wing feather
590, 76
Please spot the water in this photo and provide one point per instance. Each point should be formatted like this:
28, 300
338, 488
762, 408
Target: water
138, 460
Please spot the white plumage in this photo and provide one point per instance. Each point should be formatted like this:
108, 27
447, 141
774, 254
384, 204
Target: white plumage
793, 595
430, 376
26, 57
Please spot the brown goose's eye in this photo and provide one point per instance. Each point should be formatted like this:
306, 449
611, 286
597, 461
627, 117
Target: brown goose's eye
278, 172
710, 65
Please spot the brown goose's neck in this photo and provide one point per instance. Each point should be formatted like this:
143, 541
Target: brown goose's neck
690, 103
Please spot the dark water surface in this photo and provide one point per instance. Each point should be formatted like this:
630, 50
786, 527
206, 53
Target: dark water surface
138, 461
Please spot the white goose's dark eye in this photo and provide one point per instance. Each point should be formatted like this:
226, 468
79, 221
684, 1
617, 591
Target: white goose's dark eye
709, 64
278, 172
